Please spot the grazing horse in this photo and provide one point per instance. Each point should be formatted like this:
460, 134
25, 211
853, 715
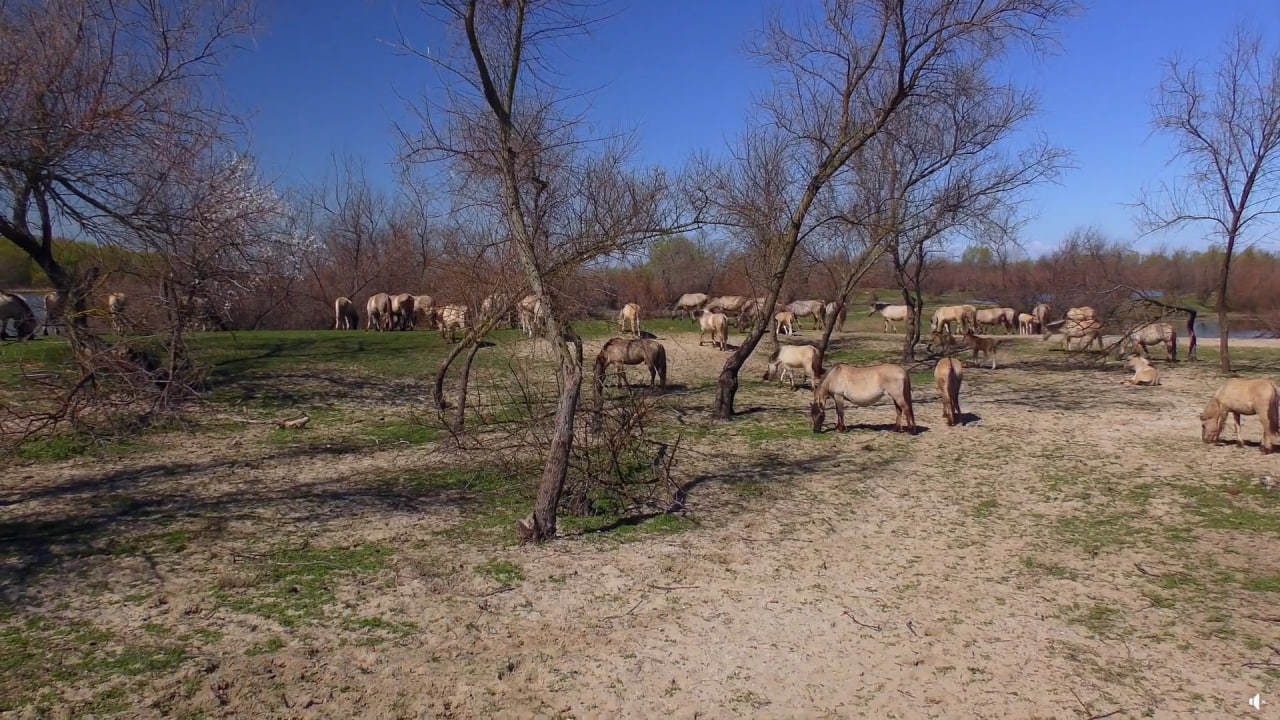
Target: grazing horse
345, 315
891, 314
948, 374
378, 312
690, 303
1081, 322
1243, 396
1041, 314
1144, 373
806, 358
727, 304
450, 318
716, 324
1004, 317
832, 308
815, 309
14, 307
116, 303
1153, 334
424, 309
53, 313
863, 386
751, 309
629, 315
784, 323
531, 312
632, 351
962, 315
402, 312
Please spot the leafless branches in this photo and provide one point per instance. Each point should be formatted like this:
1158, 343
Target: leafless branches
1226, 128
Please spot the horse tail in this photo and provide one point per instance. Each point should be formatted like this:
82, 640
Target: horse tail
816, 371
660, 364
597, 373
908, 414
1173, 345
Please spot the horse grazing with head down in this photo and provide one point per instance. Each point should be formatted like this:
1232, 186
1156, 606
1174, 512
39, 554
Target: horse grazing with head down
1243, 396
863, 386
620, 352
788, 358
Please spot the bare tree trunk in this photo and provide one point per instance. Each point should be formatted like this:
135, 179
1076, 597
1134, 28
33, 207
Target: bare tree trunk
437, 394
542, 525
1224, 356
460, 416
727, 383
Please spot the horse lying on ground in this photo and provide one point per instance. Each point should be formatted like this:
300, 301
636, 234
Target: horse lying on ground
1144, 373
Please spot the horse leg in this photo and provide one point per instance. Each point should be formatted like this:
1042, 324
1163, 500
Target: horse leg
839, 403
1235, 418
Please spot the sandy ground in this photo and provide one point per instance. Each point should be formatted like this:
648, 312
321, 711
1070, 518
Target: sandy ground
1051, 558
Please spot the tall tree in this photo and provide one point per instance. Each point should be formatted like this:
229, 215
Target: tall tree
102, 102
523, 162
1225, 123
841, 75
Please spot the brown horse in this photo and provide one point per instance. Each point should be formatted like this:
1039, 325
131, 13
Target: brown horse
633, 351
863, 386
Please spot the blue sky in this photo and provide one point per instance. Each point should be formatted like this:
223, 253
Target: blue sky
321, 79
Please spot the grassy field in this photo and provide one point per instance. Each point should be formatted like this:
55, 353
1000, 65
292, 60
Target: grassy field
1073, 551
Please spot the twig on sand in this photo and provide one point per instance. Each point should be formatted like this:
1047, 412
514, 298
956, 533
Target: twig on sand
1106, 715
877, 628
633, 609
672, 587
504, 588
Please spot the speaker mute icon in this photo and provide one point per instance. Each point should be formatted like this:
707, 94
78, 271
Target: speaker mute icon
1255, 702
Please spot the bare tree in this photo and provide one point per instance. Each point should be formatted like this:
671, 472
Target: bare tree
942, 170
513, 152
1226, 126
840, 78
101, 102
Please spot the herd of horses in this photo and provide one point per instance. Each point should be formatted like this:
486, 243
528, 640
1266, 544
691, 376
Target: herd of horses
840, 385
15, 310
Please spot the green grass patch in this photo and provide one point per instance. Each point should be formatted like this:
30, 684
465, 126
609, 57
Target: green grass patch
1253, 510
69, 446
985, 509
295, 586
266, 647
628, 529
1099, 619
1099, 531
39, 652
501, 572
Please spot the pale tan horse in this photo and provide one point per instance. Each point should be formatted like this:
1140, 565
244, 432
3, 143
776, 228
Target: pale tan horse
345, 315
378, 312
14, 307
789, 358
1153, 334
1026, 323
619, 352
784, 322
832, 308
1080, 323
986, 317
688, 303
716, 324
53, 313
117, 303
629, 316
947, 375
963, 316
1243, 396
1041, 314
424, 311
452, 317
402, 311
815, 309
753, 308
1144, 373
531, 312
863, 386
891, 314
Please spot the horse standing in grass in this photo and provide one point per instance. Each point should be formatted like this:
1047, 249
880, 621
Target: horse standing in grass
345, 315
948, 374
629, 315
863, 386
623, 351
